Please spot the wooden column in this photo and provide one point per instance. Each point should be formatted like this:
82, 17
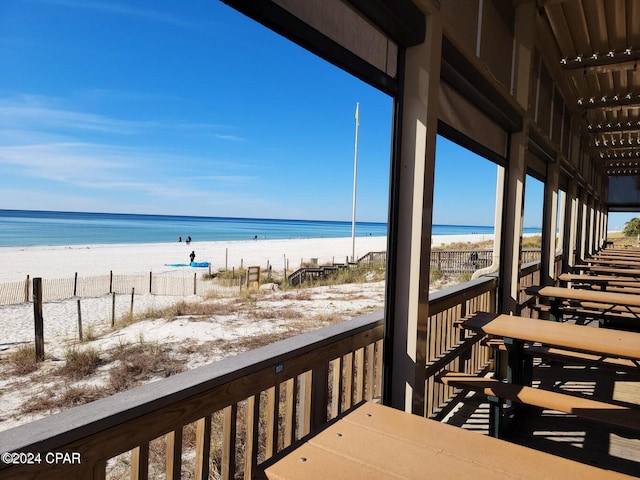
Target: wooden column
512, 208
549, 223
570, 226
582, 224
411, 207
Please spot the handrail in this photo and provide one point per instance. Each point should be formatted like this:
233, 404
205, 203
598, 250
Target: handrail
108, 427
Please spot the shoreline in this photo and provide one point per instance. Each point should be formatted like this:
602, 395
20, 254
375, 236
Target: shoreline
141, 258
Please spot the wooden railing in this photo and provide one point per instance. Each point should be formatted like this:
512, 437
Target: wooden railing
451, 347
228, 416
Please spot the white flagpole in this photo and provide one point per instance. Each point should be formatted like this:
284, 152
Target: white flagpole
355, 176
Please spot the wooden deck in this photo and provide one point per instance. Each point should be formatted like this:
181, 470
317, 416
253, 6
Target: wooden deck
562, 434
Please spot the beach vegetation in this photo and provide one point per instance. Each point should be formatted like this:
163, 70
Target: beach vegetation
632, 227
89, 334
464, 277
620, 239
23, 360
52, 399
141, 362
80, 363
435, 275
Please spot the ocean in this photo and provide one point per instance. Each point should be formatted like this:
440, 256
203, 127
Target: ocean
39, 228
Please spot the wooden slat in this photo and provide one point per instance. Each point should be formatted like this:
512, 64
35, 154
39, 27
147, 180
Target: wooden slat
174, 454
347, 399
336, 389
290, 411
251, 439
228, 470
273, 417
203, 448
359, 360
140, 462
319, 396
304, 420
370, 371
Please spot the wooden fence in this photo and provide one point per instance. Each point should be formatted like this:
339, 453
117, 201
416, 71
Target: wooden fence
65, 288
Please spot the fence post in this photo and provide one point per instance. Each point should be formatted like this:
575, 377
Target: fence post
110, 281
195, 283
75, 283
26, 290
113, 310
133, 291
150, 277
38, 320
79, 321
226, 259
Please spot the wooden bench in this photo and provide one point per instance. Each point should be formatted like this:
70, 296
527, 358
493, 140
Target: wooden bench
497, 392
571, 357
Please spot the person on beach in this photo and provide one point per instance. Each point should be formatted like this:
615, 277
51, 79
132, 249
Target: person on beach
179, 239
192, 256
188, 239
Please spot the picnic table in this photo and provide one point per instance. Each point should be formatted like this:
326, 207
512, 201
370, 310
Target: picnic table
602, 281
614, 262
619, 272
520, 332
589, 301
374, 441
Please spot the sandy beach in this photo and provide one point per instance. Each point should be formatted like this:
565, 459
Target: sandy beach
130, 259
203, 337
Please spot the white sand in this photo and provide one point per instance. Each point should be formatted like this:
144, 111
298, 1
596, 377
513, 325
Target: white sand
129, 259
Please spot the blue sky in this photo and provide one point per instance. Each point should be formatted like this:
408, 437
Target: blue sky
190, 108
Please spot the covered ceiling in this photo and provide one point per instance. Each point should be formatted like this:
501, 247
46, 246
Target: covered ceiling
598, 47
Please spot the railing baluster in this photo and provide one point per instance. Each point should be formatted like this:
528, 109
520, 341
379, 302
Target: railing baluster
273, 416
174, 454
290, 411
304, 422
228, 470
140, 462
348, 381
319, 396
369, 371
336, 390
100, 470
203, 447
251, 439
359, 360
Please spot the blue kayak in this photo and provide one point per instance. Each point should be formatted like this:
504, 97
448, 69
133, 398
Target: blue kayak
192, 264
199, 264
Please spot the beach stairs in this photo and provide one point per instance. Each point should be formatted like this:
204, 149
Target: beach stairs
305, 274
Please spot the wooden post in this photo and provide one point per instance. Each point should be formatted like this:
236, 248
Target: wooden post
26, 290
113, 310
75, 284
38, 320
110, 281
241, 262
150, 279
133, 291
195, 283
79, 321
226, 259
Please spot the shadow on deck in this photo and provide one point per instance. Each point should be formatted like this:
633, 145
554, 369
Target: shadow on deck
562, 434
